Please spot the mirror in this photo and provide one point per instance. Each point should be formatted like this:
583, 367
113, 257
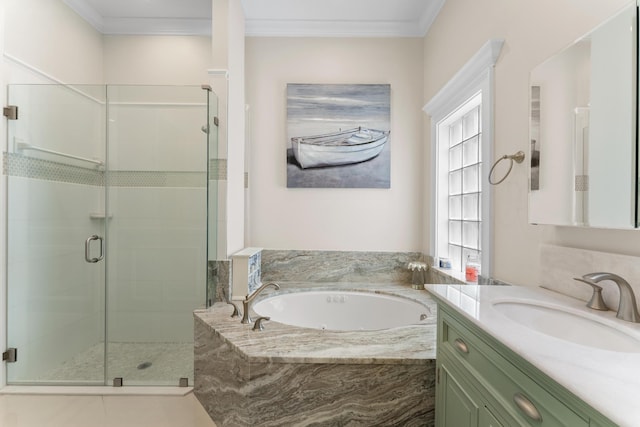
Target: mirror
583, 153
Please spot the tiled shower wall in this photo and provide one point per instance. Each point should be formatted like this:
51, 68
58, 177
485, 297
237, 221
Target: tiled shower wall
157, 235
52, 291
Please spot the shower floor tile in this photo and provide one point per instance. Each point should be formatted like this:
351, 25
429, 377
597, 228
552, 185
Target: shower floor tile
136, 363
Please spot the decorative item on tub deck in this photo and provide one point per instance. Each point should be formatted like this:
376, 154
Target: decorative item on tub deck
419, 272
246, 272
338, 135
445, 263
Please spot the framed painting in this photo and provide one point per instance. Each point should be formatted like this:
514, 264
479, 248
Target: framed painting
338, 136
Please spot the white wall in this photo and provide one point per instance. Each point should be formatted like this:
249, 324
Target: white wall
334, 219
236, 122
532, 31
51, 37
157, 60
228, 43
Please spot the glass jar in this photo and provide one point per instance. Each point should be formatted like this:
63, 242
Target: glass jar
472, 268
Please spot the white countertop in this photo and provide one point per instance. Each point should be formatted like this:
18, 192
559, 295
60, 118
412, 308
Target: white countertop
609, 381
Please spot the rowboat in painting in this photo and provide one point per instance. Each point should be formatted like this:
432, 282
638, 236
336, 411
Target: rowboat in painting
339, 148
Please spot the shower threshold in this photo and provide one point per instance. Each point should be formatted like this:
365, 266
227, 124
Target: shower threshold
96, 390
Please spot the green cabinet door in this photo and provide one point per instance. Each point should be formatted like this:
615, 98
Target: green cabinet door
487, 419
456, 407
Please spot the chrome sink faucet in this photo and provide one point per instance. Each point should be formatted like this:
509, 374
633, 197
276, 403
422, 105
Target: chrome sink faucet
248, 300
627, 307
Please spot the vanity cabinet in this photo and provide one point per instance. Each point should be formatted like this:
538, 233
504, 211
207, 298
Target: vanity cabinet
480, 382
461, 404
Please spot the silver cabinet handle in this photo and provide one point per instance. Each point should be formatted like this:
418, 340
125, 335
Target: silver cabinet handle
87, 249
461, 346
527, 407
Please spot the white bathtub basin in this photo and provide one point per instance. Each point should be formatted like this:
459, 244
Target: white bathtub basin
343, 310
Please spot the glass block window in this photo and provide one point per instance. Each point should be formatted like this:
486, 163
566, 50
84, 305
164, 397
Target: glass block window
460, 184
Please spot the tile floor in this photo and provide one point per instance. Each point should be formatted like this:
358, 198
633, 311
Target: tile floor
102, 411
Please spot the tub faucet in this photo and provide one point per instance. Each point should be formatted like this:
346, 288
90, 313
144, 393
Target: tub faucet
248, 300
627, 307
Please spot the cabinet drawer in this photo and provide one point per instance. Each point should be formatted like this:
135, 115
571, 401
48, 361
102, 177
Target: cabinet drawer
518, 394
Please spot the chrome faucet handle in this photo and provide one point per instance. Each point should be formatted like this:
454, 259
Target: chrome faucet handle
248, 300
627, 307
596, 302
258, 326
246, 317
236, 310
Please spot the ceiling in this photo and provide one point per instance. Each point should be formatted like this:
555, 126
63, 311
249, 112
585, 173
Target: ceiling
299, 18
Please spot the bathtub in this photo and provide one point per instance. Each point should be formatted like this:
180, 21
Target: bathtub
342, 310
294, 373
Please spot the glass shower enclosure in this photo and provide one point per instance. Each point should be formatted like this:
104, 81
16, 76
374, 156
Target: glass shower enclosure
107, 231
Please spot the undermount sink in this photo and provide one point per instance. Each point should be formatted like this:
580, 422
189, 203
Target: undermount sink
569, 326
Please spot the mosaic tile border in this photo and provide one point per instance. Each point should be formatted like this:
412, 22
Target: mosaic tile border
218, 169
156, 179
18, 165
28, 167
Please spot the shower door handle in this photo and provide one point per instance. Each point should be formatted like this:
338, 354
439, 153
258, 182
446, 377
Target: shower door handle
87, 249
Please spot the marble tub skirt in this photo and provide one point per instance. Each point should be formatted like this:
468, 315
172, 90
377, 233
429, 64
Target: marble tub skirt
290, 376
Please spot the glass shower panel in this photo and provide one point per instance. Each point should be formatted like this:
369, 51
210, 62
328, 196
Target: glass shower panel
55, 170
216, 177
157, 231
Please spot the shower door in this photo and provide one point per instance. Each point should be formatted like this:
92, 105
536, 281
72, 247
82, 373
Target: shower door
107, 232
55, 166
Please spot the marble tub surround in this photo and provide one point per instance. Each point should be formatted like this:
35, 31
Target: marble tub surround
444, 276
562, 264
286, 375
608, 381
490, 281
285, 343
337, 266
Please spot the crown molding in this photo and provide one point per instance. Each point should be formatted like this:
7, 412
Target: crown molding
312, 28
468, 76
260, 27
87, 13
140, 26
157, 26
429, 15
